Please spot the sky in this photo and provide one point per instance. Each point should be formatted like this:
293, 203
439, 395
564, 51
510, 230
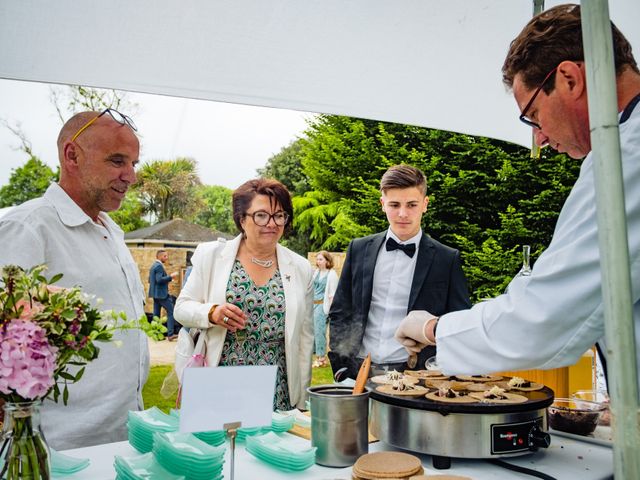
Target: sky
228, 141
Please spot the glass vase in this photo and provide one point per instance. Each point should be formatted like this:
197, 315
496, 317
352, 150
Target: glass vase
24, 454
525, 271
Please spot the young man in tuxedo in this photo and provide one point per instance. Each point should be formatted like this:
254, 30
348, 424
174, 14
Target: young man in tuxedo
390, 273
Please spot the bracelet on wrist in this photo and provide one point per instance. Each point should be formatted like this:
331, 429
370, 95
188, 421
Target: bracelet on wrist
210, 314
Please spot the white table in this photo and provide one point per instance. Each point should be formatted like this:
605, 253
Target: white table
565, 459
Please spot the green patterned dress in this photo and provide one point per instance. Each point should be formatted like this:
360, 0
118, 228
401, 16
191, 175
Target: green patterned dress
262, 342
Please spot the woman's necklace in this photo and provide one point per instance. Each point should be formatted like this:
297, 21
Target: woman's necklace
268, 263
262, 263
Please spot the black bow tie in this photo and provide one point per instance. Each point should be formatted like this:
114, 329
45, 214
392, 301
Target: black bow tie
409, 248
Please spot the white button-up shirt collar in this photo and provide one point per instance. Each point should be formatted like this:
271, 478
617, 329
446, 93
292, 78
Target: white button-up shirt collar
392, 281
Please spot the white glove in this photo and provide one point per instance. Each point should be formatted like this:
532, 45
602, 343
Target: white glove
412, 346
411, 331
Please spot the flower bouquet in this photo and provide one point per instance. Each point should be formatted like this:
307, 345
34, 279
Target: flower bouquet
47, 335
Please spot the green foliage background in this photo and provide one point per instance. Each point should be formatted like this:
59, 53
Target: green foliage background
216, 211
29, 181
487, 197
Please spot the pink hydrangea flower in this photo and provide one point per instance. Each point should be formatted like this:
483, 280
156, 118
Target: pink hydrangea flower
27, 361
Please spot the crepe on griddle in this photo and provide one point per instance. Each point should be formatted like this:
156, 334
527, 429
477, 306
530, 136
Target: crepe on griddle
479, 378
444, 399
410, 391
422, 374
517, 383
388, 378
506, 397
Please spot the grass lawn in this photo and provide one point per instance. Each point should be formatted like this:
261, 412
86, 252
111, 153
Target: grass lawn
152, 395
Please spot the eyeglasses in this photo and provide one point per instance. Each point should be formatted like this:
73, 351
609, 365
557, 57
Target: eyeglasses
523, 116
262, 218
121, 118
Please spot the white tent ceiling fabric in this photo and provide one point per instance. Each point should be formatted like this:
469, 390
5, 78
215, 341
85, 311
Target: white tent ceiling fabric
431, 63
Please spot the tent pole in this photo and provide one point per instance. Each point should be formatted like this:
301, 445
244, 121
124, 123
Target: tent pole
538, 7
612, 236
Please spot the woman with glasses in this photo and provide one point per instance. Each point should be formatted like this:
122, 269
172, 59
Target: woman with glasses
253, 296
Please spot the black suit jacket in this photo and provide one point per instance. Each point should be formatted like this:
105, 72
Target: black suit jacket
438, 285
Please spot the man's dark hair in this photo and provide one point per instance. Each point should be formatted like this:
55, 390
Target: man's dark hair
160, 252
403, 176
550, 38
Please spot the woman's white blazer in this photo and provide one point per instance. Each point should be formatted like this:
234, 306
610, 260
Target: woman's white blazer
207, 285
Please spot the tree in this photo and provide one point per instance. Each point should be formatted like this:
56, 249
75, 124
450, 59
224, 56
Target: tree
29, 181
71, 99
130, 215
216, 212
25, 143
487, 197
168, 189
286, 167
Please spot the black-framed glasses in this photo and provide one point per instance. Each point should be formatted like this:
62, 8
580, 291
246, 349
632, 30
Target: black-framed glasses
523, 116
262, 218
121, 118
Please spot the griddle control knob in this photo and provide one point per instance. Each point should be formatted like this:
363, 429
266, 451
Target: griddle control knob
538, 438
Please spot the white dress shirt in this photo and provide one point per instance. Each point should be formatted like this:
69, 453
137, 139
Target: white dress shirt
52, 229
392, 280
550, 318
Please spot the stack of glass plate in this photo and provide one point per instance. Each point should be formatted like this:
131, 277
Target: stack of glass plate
281, 422
185, 454
280, 452
302, 420
299, 418
142, 467
65, 465
243, 433
142, 426
214, 437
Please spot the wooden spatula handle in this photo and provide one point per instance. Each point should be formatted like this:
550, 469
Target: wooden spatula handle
363, 375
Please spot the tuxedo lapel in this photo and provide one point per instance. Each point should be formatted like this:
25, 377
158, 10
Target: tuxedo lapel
370, 257
426, 253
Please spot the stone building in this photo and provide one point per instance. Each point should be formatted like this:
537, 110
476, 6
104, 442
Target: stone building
179, 238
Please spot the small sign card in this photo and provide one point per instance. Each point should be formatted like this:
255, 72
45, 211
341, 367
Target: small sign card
213, 396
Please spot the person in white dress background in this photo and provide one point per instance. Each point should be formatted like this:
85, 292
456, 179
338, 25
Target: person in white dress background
325, 282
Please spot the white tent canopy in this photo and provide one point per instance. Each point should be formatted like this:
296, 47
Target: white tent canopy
432, 63
422, 62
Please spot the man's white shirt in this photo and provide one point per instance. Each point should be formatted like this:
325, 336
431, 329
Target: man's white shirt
392, 280
54, 230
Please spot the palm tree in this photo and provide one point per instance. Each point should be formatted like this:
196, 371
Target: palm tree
167, 188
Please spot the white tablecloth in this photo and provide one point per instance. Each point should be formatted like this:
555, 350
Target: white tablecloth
565, 459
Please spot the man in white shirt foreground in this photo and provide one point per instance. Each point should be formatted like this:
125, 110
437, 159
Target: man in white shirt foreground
67, 229
548, 319
389, 274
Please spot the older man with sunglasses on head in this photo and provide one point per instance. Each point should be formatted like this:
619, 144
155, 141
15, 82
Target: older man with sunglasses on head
69, 230
550, 318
